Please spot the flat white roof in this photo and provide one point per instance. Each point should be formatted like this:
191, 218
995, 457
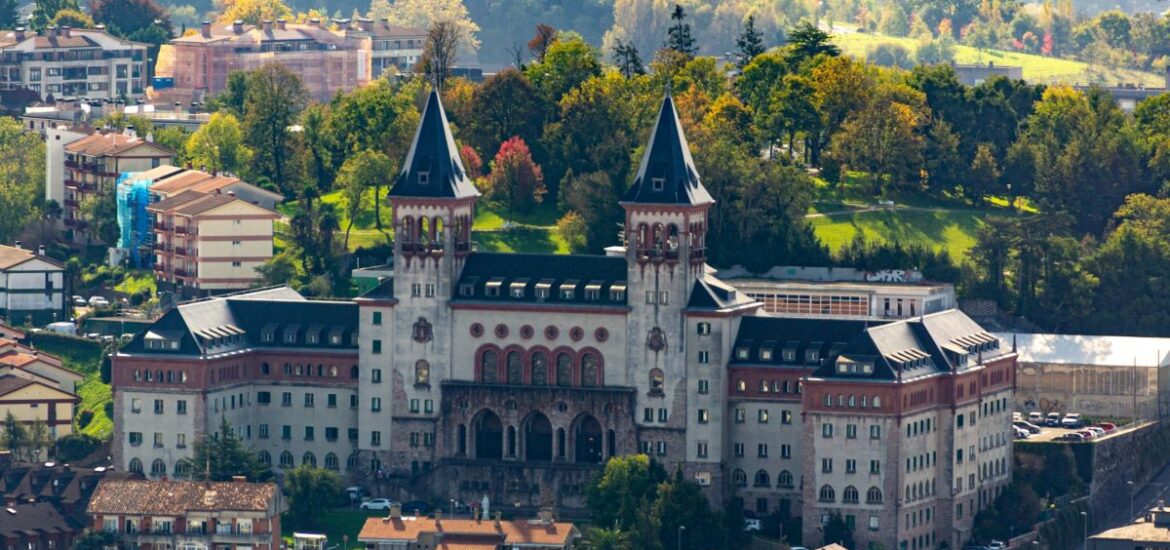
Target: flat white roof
1080, 349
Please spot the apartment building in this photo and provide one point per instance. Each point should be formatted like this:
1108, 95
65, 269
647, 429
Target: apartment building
396, 531
158, 515
908, 432
282, 370
65, 62
32, 287
393, 48
327, 61
93, 165
57, 137
210, 241
24, 362
37, 526
32, 401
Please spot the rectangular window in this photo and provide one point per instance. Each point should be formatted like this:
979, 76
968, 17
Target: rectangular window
428, 439
376, 346
762, 450
703, 329
376, 376
308, 433
648, 415
308, 400
959, 456
181, 406
353, 434
415, 290
414, 405
874, 524
158, 439
375, 438
430, 290
826, 430
663, 297
704, 387
414, 439
875, 467
740, 416
827, 465
650, 297
135, 405
263, 397
661, 448
286, 432
135, 438
330, 434
786, 417
704, 417
263, 431
959, 421
850, 466
158, 406
286, 399
331, 401
375, 404
738, 449
377, 317
762, 416
786, 451
875, 431
851, 431
353, 401
662, 415
704, 357
702, 449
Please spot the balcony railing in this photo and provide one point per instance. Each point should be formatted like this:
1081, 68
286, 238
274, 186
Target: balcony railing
182, 272
180, 251
183, 230
71, 203
161, 227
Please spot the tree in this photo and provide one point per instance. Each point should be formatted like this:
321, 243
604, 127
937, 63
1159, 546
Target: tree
96, 539
539, 45
46, 10
253, 12
791, 111
506, 105
566, 65
76, 446
678, 36
360, 173
749, 44
39, 439
309, 489
623, 492
841, 86
277, 270
423, 14
807, 41
514, 179
218, 146
16, 437
984, 172
681, 503
9, 16
883, 138
942, 158
220, 456
274, 100
440, 50
626, 57
72, 18
601, 538
837, 531
574, 231
319, 144
126, 17
22, 172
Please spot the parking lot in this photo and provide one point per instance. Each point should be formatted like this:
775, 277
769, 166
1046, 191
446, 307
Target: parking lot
1048, 433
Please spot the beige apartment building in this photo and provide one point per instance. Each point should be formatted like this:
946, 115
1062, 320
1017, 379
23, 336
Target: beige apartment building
93, 165
392, 48
328, 61
65, 62
31, 401
210, 241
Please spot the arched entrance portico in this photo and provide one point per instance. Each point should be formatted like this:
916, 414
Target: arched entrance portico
489, 435
587, 440
538, 438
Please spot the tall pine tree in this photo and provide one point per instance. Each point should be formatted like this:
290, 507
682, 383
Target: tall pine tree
750, 43
220, 456
679, 36
626, 57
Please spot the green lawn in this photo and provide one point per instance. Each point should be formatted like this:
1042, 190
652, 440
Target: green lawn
85, 357
1036, 68
137, 282
334, 524
953, 230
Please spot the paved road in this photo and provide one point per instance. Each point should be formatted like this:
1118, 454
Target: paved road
1144, 499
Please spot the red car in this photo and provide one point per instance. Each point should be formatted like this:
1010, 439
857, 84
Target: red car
1107, 426
1087, 434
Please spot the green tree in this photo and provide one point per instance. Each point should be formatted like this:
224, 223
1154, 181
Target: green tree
72, 18
807, 41
791, 111
567, 63
22, 173
759, 79
943, 160
749, 43
622, 493
76, 446
9, 16
506, 105
515, 179
681, 510
281, 269
602, 538
361, 173
16, 437
883, 138
319, 144
627, 59
46, 10
984, 172
836, 530
96, 539
218, 146
221, 455
309, 489
678, 36
274, 100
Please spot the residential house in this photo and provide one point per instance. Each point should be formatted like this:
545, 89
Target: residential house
393, 48
37, 526
65, 62
396, 531
210, 241
31, 401
31, 364
155, 515
68, 487
32, 287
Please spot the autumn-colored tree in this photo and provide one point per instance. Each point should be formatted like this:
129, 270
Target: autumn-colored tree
253, 12
506, 105
883, 139
472, 162
73, 18
545, 36
515, 180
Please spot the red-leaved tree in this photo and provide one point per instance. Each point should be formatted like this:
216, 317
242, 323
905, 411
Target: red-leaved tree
515, 180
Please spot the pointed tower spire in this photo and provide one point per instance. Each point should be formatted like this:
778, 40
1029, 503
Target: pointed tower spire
432, 168
667, 174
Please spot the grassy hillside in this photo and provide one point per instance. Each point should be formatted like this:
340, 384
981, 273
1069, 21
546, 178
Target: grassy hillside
85, 357
1036, 68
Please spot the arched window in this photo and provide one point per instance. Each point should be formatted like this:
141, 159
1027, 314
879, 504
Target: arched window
589, 372
136, 465
564, 369
424, 231
786, 387
182, 469
331, 462
264, 368
539, 368
515, 368
351, 463
877, 402
353, 372
170, 380
739, 478
309, 459
865, 401
407, 230
511, 441
158, 468
266, 458
658, 236
333, 371
656, 381
422, 372
763, 386
671, 238
840, 400
852, 401
762, 479
850, 496
828, 400
438, 232
490, 362
827, 494
286, 460
873, 496
784, 479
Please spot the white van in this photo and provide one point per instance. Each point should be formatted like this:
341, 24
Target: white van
62, 327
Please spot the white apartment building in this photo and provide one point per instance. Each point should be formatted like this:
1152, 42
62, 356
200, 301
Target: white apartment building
65, 62
32, 287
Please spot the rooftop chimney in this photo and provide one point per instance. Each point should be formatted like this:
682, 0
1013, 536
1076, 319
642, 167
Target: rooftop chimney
41, 250
395, 510
205, 29
239, 479
281, 24
19, 34
365, 24
237, 26
499, 515
314, 22
65, 30
17, 245
267, 23
545, 515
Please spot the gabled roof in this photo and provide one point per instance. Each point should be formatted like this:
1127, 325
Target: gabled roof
172, 498
667, 174
759, 332
10, 256
33, 518
112, 144
527, 273
432, 168
10, 383
710, 293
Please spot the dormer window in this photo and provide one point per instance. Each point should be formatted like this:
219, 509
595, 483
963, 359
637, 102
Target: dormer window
812, 355
617, 292
543, 288
518, 288
568, 290
765, 354
593, 291
742, 353
658, 183
424, 178
789, 355
466, 289
492, 288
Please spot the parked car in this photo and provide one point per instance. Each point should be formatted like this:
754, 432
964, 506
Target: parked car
98, 301
1087, 434
62, 327
1025, 425
751, 525
1097, 431
1073, 436
1036, 417
1107, 426
79, 301
1071, 420
376, 504
416, 506
1022, 433
1052, 420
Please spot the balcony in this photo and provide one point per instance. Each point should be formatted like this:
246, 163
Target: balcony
161, 248
180, 251
184, 272
71, 203
159, 226
183, 230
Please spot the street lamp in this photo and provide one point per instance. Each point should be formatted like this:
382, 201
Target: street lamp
452, 507
1085, 523
1131, 486
681, 528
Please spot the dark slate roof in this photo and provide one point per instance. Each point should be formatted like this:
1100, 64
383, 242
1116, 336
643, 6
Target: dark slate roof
920, 346
507, 272
710, 293
826, 336
260, 318
33, 520
667, 174
384, 290
432, 168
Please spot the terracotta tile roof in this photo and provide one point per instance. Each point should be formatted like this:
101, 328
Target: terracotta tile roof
174, 201
17, 359
108, 144
452, 530
173, 498
11, 256
208, 202
10, 383
180, 181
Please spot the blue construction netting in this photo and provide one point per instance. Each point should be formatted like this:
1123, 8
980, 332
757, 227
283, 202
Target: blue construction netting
137, 235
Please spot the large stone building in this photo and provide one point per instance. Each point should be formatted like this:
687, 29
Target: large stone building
516, 375
63, 62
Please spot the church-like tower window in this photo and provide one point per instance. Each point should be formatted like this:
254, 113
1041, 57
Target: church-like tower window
490, 366
564, 369
656, 382
589, 371
515, 368
539, 369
